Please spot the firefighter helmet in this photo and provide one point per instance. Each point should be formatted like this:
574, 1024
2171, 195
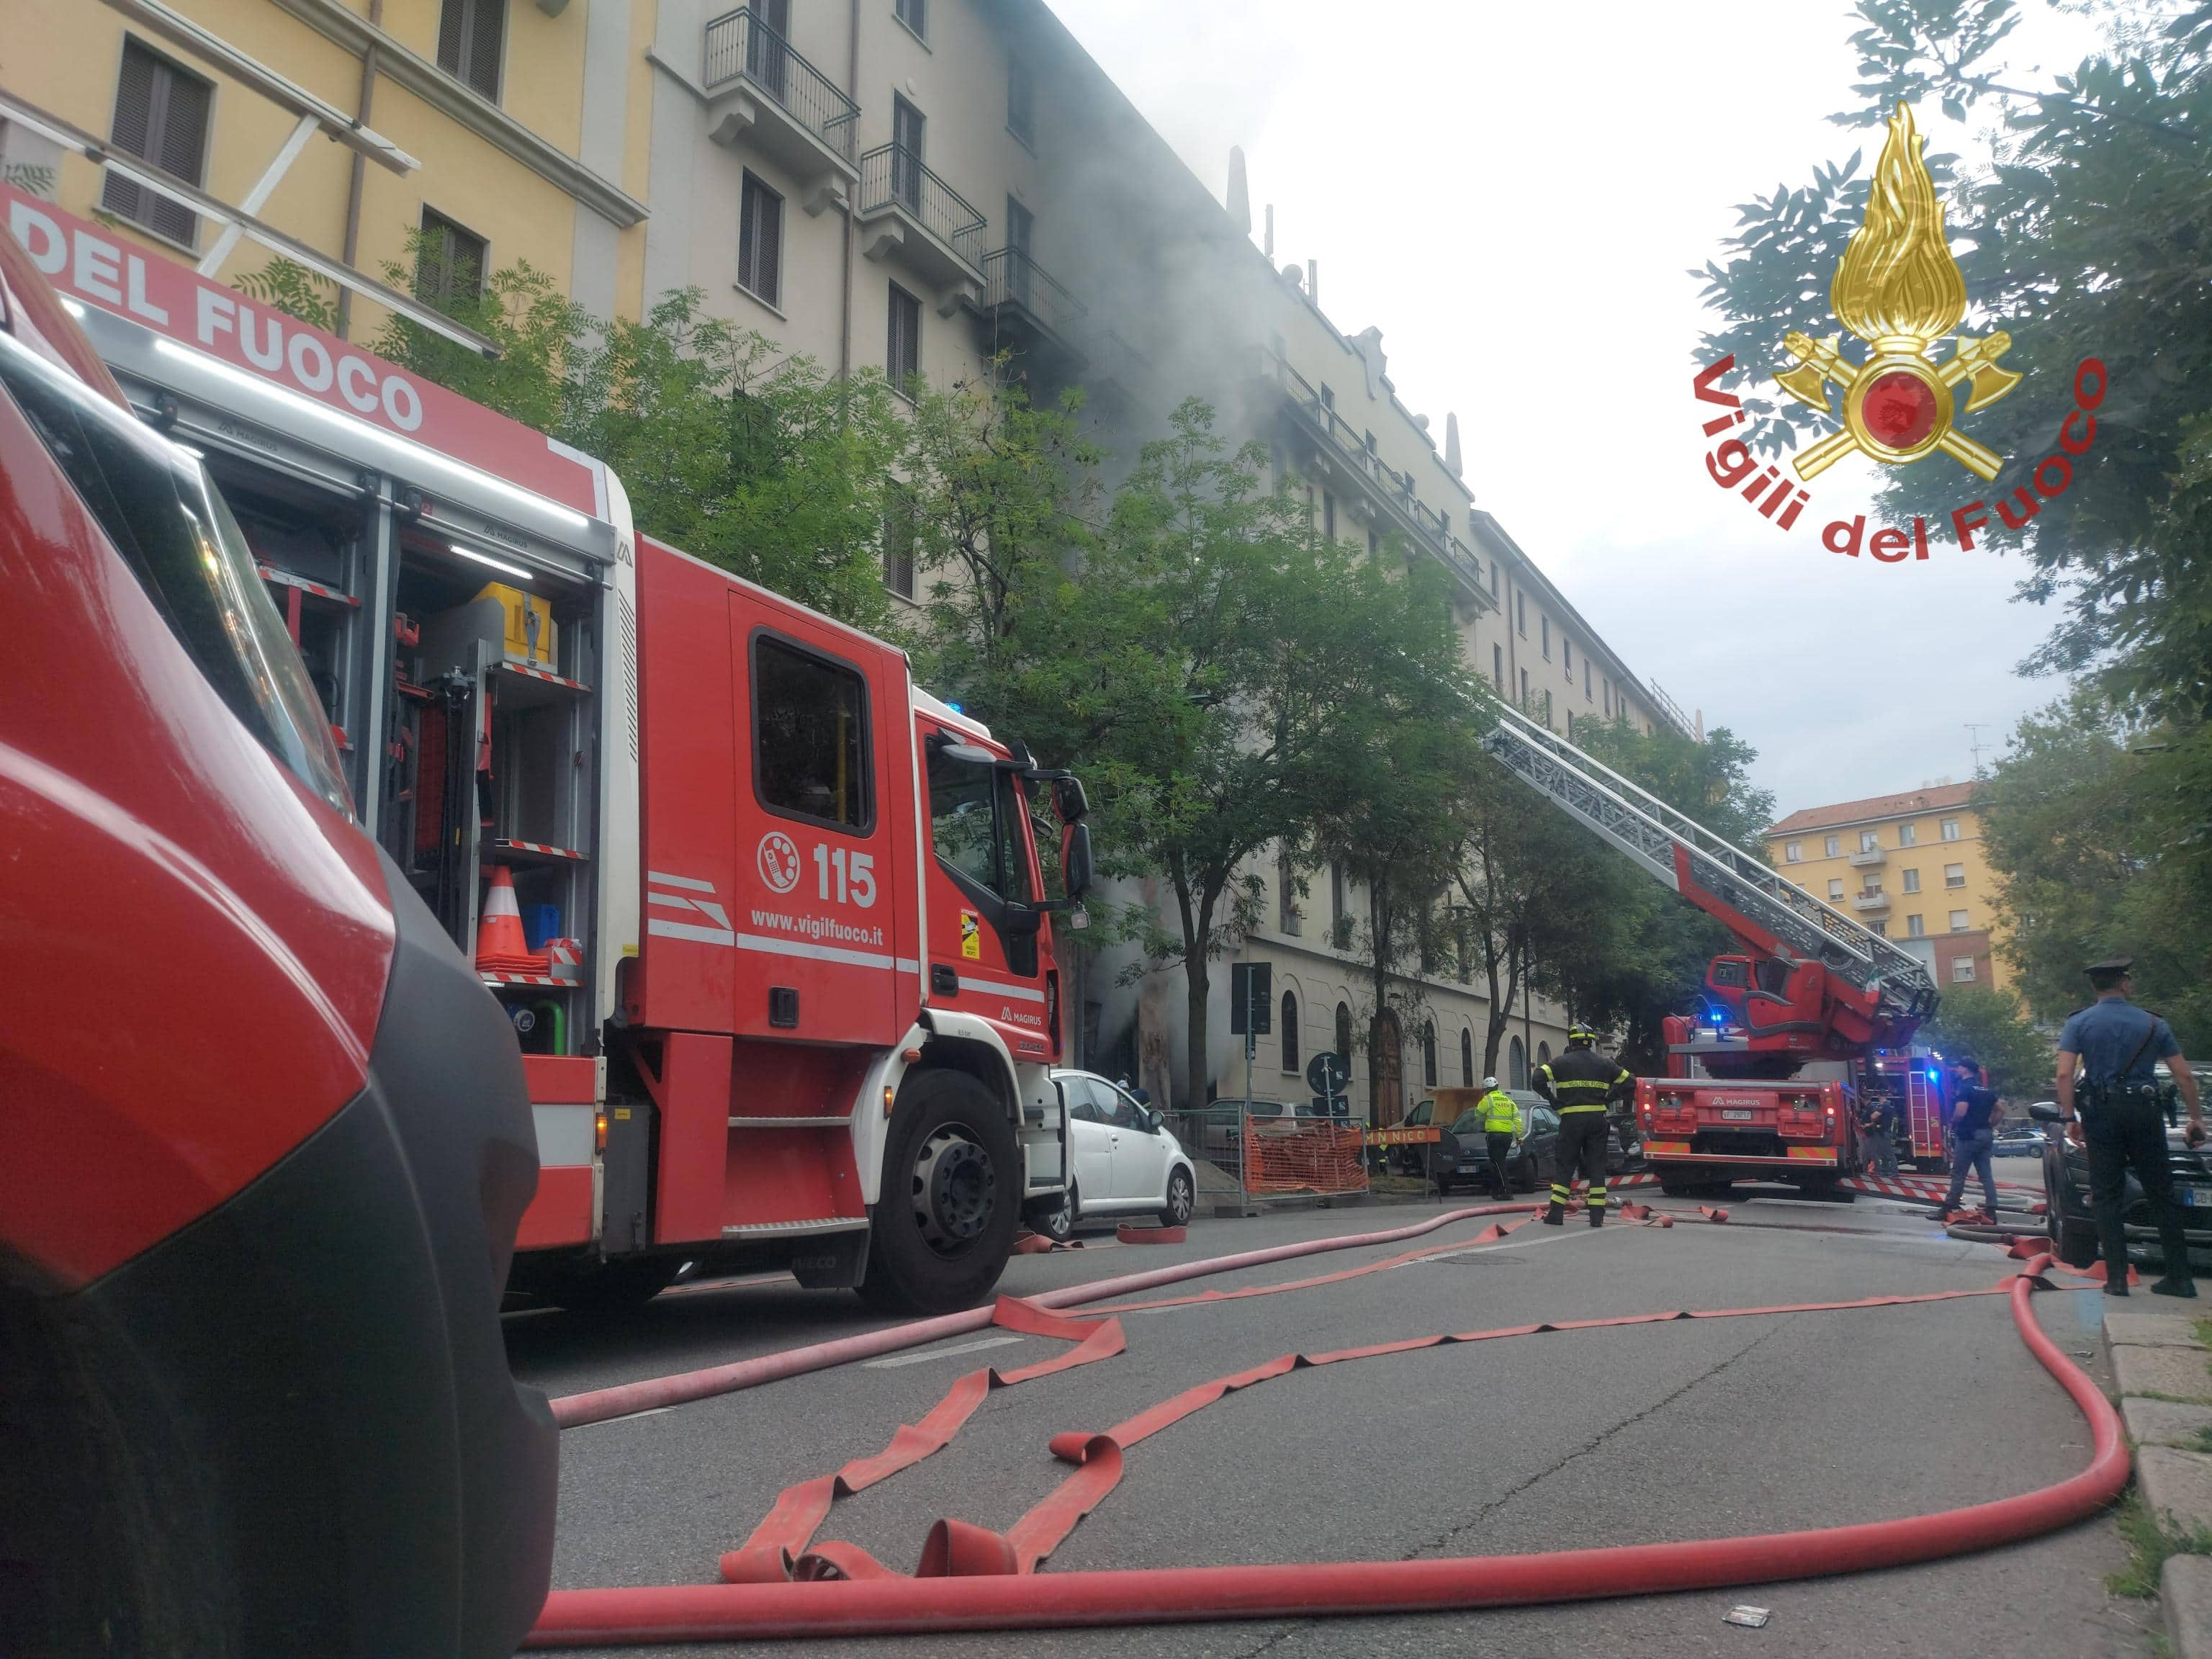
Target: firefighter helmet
1581, 1037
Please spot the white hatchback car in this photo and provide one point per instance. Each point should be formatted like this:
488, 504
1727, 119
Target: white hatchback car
1122, 1160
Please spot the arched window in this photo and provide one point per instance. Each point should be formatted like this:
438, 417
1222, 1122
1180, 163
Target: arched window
1429, 1053
1543, 1054
1290, 1031
1344, 1035
1467, 1057
1517, 1065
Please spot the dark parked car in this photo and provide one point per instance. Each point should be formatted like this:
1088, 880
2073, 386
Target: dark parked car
2072, 1226
1532, 1157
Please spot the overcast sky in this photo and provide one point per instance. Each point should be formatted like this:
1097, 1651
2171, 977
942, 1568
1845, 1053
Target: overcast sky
1514, 195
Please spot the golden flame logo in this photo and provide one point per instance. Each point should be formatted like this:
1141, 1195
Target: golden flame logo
1899, 290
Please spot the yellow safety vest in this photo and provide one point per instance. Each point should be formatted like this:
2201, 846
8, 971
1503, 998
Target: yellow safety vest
1500, 1116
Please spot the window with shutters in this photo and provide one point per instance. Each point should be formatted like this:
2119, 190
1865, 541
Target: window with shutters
1021, 101
471, 35
1794, 853
449, 261
1959, 921
1466, 1057
1497, 668
1950, 829
903, 357
1962, 970
1545, 624
1429, 1053
898, 544
1911, 881
160, 116
1344, 1035
1954, 875
760, 241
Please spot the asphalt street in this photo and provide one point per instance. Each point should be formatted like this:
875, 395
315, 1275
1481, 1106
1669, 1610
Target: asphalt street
1556, 1441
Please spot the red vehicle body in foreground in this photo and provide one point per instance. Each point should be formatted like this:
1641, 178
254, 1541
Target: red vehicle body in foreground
268, 1144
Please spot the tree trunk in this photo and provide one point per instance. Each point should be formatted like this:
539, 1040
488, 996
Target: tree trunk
1196, 914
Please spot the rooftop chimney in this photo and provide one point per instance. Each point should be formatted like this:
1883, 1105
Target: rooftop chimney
1240, 197
1451, 447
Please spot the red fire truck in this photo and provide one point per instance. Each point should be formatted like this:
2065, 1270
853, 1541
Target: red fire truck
1793, 1035
267, 1140
769, 923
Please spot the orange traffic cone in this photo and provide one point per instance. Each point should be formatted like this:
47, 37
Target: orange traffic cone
500, 947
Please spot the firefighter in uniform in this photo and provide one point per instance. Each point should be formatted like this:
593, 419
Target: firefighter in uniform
2115, 1108
1501, 1124
1580, 1084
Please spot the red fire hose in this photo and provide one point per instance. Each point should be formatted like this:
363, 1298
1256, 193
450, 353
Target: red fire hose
889, 1605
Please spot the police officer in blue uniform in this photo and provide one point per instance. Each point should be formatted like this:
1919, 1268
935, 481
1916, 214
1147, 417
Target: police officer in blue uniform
2114, 1108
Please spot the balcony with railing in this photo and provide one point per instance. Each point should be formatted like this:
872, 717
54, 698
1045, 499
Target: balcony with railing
761, 91
1872, 902
1869, 857
1351, 455
910, 216
1024, 310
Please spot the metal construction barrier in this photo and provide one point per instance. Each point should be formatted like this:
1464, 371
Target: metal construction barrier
1303, 1155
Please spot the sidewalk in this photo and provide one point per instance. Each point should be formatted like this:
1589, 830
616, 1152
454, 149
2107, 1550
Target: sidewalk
2165, 1376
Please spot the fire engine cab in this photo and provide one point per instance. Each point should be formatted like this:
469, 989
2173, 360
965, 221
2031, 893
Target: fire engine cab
769, 925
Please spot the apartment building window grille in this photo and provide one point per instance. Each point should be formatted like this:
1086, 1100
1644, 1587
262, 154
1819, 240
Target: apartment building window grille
1021, 100
899, 544
449, 261
1908, 835
1962, 970
1833, 846
1466, 1058
1340, 915
1911, 881
1916, 927
1497, 668
909, 128
1289, 1032
1544, 623
915, 14
1950, 827
160, 116
903, 355
1954, 875
470, 34
1869, 840
1794, 853
760, 241
1429, 1053
1286, 894
1958, 921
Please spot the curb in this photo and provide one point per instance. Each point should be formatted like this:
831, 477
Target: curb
2184, 1589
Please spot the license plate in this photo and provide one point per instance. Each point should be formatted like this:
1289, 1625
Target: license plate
1738, 1113
2196, 1198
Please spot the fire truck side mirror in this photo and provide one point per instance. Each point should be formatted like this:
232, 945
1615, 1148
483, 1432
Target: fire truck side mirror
1073, 805
1075, 858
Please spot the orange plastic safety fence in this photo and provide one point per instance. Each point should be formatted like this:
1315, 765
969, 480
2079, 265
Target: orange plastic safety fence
1304, 1157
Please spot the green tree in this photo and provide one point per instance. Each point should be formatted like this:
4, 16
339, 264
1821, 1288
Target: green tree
1990, 1025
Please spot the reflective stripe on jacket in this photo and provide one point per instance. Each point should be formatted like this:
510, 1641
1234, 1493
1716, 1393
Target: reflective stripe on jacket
1582, 1080
1500, 1114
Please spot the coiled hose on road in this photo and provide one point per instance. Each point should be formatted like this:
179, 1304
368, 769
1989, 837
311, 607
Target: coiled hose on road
975, 1580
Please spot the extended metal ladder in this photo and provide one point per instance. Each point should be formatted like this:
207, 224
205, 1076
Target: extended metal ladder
1652, 833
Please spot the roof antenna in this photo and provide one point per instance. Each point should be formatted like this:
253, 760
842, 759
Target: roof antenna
1974, 744
1268, 246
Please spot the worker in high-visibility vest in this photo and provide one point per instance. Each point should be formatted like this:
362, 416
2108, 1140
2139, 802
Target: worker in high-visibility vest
1501, 1127
1580, 1085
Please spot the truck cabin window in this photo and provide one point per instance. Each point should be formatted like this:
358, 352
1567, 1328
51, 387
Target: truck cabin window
811, 737
975, 826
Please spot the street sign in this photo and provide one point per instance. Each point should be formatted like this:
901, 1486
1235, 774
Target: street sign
1326, 1075
1251, 998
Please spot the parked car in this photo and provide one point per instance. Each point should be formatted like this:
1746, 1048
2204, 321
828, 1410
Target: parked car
2073, 1227
2020, 1140
1123, 1159
1530, 1163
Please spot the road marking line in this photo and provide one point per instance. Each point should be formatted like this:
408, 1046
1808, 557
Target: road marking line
937, 1353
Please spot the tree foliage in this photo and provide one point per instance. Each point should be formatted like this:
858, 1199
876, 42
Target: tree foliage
1988, 1024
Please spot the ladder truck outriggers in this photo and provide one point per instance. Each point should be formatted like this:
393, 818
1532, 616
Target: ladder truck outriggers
1796, 1034
766, 922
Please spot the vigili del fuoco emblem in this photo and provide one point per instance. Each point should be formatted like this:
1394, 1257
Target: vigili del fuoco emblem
1899, 290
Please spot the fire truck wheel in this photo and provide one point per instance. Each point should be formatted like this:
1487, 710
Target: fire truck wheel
1183, 1198
612, 1287
951, 1197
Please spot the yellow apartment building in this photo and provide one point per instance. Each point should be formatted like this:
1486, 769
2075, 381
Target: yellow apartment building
336, 131
1911, 867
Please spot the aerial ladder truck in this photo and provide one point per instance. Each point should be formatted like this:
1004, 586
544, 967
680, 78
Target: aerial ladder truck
1795, 1033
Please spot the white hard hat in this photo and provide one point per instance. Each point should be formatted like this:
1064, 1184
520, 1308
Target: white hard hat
1490, 1083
